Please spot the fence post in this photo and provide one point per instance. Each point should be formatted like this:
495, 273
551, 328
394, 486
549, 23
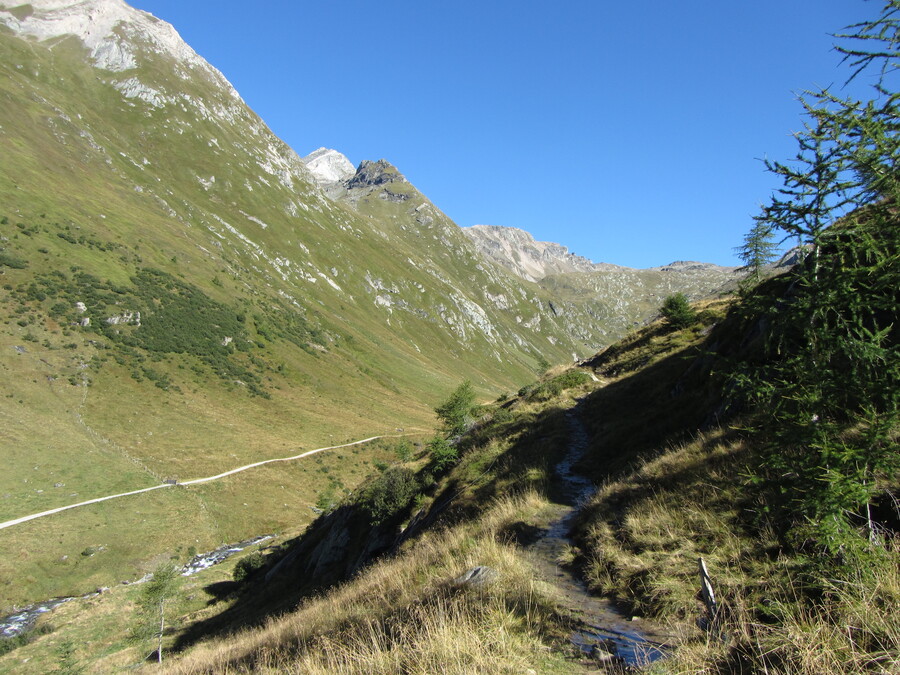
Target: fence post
709, 599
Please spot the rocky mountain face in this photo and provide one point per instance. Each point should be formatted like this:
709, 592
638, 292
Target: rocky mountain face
610, 298
273, 301
518, 251
328, 166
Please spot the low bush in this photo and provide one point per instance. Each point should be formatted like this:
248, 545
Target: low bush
248, 565
9, 260
389, 494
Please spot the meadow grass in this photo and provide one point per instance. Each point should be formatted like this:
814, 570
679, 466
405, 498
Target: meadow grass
404, 615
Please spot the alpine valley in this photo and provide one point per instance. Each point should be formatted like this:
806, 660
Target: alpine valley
236, 343
183, 294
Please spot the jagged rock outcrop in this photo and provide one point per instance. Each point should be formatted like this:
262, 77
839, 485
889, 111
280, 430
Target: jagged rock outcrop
371, 174
519, 252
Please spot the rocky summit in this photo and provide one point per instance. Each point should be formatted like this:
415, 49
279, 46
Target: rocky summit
328, 166
518, 251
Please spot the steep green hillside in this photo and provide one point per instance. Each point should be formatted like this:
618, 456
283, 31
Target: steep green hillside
668, 438
676, 445
179, 299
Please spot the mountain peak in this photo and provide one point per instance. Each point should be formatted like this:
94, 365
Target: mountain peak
104, 27
329, 166
370, 173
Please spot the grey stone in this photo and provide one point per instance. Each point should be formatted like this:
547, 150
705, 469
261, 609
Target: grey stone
476, 577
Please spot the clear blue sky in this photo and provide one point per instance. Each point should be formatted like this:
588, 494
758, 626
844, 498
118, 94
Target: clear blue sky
630, 132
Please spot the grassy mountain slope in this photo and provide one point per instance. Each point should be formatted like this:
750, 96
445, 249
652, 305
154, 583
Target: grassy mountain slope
180, 298
259, 330
673, 487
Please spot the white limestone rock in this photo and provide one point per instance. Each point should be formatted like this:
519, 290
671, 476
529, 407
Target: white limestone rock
329, 166
134, 88
114, 33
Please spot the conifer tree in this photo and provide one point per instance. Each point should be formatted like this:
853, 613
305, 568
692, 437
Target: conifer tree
827, 392
456, 412
678, 311
150, 624
758, 249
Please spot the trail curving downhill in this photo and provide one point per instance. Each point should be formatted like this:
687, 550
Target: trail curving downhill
603, 633
195, 481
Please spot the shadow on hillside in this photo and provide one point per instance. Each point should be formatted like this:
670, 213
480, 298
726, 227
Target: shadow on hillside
708, 476
655, 407
341, 543
658, 406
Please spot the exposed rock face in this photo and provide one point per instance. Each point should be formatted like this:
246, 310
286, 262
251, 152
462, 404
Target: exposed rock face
371, 174
329, 166
106, 27
518, 251
592, 299
476, 577
335, 547
125, 319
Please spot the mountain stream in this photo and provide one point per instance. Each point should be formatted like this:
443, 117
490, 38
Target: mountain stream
24, 618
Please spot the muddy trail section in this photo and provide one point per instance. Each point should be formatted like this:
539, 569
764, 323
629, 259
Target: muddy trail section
603, 633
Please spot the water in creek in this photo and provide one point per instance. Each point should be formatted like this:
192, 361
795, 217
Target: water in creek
23, 619
602, 630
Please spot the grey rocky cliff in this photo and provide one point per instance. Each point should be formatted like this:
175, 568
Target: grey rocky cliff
372, 174
596, 302
519, 252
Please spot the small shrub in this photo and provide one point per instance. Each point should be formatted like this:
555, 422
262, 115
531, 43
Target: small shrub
327, 498
389, 494
12, 261
443, 454
678, 311
248, 565
404, 451
555, 386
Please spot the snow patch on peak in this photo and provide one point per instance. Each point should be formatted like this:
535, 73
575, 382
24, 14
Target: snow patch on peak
329, 166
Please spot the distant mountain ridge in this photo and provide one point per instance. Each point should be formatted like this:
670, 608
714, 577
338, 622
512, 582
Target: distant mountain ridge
518, 251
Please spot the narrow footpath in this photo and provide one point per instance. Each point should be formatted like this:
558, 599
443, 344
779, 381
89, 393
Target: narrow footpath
603, 632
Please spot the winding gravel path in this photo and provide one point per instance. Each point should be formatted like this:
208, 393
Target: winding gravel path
195, 481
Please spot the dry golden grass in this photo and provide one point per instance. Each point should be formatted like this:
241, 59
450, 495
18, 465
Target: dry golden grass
403, 615
645, 532
854, 630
